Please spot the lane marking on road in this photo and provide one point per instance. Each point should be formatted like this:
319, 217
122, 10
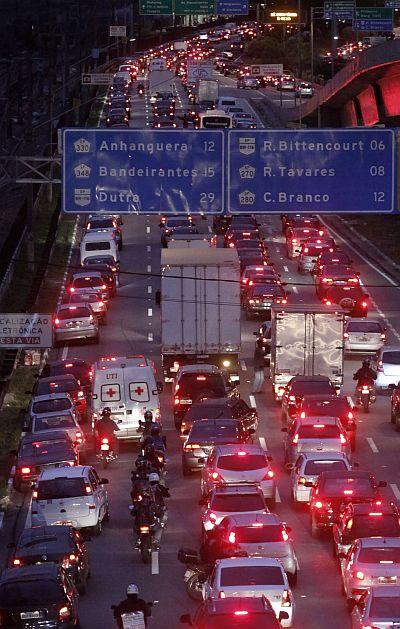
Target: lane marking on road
28, 521
372, 445
149, 289
148, 248
277, 496
149, 312
243, 365
252, 401
395, 490
148, 229
285, 268
64, 352
150, 336
155, 568
149, 268
263, 443
210, 229
295, 289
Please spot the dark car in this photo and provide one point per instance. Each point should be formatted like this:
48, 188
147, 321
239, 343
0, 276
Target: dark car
244, 221
259, 298
297, 388
36, 597
108, 268
250, 243
332, 256
251, 257
35, 453
352, 299
227, 408
228, 613
331, 406
76, 366
333, 489
197, 382
66, 383
362, 520
296, 220
206, 433
238, 233
395, 405
62, 545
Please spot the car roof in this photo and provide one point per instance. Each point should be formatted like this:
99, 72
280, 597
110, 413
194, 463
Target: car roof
241, 488
346, 474
236, 562
65, 377
58, 533
247, 519
50, 396
29, 573
233, 448
324, 419
223, 420
77, 471
373, 542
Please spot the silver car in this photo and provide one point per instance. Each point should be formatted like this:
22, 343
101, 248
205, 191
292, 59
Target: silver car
378, 607
228, 500
65, 421
98, 305
89, 280
364, 336
371, 561
52, 403
263, 535
308, 257
387, 365
309, 466
315, 434
75, 322
236, 464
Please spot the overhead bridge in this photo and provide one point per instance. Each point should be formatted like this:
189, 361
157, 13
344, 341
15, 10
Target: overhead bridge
365, 92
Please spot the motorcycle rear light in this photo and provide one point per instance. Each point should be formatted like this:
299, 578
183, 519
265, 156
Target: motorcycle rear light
318, 504
144, 529
241, 613
17, 562
25, 470
364, 304
64, 613
343, 440
328, 302
295, 439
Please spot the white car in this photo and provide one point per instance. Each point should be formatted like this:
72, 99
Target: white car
378, 607
252, 576
228, 500
387, 366
315, 434
364, 336
52, 403
309, 466
65, 421
72, 496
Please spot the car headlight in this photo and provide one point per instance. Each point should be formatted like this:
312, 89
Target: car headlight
226, 363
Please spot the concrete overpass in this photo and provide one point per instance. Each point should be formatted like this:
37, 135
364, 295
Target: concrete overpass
364, 93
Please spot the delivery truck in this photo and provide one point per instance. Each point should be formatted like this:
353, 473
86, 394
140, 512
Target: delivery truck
200, 309
306, 340
161, 81
207, 92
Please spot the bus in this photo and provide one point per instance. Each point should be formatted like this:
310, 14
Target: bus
214, 119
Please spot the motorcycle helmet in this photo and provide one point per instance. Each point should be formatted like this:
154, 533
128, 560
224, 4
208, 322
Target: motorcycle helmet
366, 364
106, 412
132, 589
148, 416
154, 478
155, 431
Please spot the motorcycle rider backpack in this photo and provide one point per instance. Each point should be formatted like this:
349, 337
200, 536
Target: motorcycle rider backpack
133, 620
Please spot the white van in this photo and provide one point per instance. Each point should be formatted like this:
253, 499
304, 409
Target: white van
99, 243
128, 386
158, 63
226, 101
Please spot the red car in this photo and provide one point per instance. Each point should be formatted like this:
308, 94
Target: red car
335, 275
66, 383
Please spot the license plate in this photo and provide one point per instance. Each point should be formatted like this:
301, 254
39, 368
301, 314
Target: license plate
387, 580
105, 447
28, 615
186, 401
362, 339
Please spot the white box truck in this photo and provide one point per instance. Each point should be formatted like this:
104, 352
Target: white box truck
161, 81
306, 340
207, 92
200, 309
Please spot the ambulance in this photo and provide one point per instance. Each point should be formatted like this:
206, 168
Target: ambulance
127, 385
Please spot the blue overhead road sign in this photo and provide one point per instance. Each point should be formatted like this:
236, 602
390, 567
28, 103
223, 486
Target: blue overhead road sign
232, 7
332, 170
142, 171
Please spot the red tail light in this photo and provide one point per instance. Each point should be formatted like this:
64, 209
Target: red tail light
318, 504
201, 378
343, 440
104, 440
232, 537
222, 594
17, 562
88, 489
295, 439
285, 536
215, 476
364, 304
25, 470
270, 474
176, 401
286, 602
64, 613
56, 321
328, 302
241, 613
71, 289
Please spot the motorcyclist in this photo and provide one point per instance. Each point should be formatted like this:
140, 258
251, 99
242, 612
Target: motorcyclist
160, 492
106, 428
144, 512
132, 603
365, 376
140, 88
155, 438
155, 457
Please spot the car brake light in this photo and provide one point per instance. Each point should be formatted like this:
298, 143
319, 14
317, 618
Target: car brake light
71, 289
364, 304
270, 474
17, 562
328, 302
25, 470
88, 488
285, 536
375, 513
302, 415
64, 613
232, 537
201, 378
318, 504
192, 446
359, 575
81, 395
245, 280
292, 398
383, 337
301, 481
242, 453
286, 602
318, 425
176, 400
104, 440
222, 594
350, 415
343, 439
295, 439
346, 335
348, 492
214, 475
144, 529
103, 287
241, 613
326, 280
212, 517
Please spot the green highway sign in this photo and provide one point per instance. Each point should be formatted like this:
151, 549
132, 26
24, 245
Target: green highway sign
155, 7
373, 13
190, 7
341, 9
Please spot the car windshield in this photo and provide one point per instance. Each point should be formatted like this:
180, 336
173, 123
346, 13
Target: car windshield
328, 408
312, 250
319, 431
257, 533
61, 422
33, 593
241, 463
106, 260
98, 245
40, 448
269, 290
303, 387
383, 555
391, 358
338, 270
51, 406
251, 576
80, 370
237, 503
385, 524
178, 222
84, 282
91, 298
364, 327
314, 468
104, 223
337, 487
334, 257
73, 312
58, 386
61, 488
198, 411
385, 607
193, 384
201, 431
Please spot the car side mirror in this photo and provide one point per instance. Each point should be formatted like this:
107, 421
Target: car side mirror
160, 387
382, 483
392, 386
283, 429
186, 619
104, 481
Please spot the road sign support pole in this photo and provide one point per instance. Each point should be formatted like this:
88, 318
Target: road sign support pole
312, 44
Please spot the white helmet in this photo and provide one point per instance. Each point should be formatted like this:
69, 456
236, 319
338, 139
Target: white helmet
154, 478
132, 589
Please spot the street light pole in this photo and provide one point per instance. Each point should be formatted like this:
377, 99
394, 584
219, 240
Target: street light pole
312, 44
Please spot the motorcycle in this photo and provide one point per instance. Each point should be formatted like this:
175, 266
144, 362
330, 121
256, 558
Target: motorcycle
365, 396
106, 455
196, 574
146, 525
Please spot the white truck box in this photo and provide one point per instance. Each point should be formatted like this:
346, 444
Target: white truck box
160, 81
306, 340
200, 308
208, 91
